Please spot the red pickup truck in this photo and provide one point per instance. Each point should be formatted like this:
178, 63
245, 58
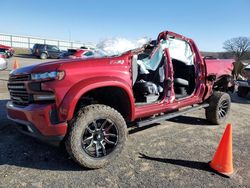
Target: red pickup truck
8, 50
88, 103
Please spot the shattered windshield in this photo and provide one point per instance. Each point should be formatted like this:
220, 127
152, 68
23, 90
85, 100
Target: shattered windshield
117, 46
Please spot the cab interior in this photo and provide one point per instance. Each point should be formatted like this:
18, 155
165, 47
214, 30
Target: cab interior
149, 71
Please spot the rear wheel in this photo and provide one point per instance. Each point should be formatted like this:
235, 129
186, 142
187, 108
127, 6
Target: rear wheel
43, 56
97, 136
242, 91
219, 107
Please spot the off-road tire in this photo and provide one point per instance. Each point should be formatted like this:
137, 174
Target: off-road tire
85, 116
242, 91
43, 56
213, 111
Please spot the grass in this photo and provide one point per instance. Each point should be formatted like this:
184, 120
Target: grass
22, 51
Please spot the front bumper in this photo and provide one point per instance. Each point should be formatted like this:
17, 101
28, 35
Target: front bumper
35, 120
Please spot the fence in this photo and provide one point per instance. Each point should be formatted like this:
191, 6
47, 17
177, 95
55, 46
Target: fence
29, 41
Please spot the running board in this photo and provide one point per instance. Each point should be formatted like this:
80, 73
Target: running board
170, 115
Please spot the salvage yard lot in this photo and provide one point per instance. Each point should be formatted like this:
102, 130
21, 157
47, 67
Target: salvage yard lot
173, 153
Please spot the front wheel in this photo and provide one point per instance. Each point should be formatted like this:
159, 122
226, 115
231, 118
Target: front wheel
219, 107
97, 136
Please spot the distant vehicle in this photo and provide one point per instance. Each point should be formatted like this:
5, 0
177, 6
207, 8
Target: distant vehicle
44, 51
87, 48
3, 62
9, 51
244, 83
76, 53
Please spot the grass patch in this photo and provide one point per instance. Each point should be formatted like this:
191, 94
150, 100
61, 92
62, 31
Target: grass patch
22, 51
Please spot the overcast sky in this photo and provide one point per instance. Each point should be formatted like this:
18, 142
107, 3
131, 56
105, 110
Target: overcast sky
209, 22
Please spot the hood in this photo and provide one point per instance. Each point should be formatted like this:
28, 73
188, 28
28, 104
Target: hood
42, 67
5, 47
23, 70
67, 63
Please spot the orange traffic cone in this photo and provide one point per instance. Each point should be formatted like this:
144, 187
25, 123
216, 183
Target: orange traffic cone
223, 159
15, 65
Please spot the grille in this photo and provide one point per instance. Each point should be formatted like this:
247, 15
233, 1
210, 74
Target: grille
19, 77
18, 93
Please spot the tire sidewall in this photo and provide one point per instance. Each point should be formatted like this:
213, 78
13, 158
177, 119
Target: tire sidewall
214, 103
84, 118
43, 56
223, 97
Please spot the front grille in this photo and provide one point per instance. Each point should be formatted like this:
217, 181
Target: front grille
18, 93
25, 77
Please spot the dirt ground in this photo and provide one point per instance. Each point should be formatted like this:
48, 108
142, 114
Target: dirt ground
173, 153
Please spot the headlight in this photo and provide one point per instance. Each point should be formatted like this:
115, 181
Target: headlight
57, 75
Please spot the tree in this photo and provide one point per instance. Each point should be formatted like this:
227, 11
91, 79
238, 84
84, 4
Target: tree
239, 47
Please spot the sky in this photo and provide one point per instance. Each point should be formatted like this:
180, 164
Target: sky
208, 23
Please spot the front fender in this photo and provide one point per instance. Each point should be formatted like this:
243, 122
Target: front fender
69, 102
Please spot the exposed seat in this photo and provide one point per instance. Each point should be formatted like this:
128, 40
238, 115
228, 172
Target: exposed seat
180, 87
181, 82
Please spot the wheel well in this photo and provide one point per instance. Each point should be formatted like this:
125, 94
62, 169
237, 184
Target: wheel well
222, 83
114, 97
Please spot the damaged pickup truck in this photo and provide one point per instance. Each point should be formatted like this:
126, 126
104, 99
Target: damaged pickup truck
87, 104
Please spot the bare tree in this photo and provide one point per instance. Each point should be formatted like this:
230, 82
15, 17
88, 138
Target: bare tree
239, 46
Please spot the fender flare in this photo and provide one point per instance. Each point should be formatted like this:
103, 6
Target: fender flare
70, 100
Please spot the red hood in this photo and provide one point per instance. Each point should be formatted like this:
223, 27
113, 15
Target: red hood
219, 67
43, 67
76, 63
5, 47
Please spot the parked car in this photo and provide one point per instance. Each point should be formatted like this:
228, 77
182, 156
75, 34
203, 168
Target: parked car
3, 62
244, 83
8, 50
76, 53
87, 48
44, 51
88, 103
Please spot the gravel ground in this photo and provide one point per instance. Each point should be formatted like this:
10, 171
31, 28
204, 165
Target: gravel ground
173, 153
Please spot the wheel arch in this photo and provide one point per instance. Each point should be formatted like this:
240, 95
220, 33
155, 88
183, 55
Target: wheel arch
90, 88
224, 83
